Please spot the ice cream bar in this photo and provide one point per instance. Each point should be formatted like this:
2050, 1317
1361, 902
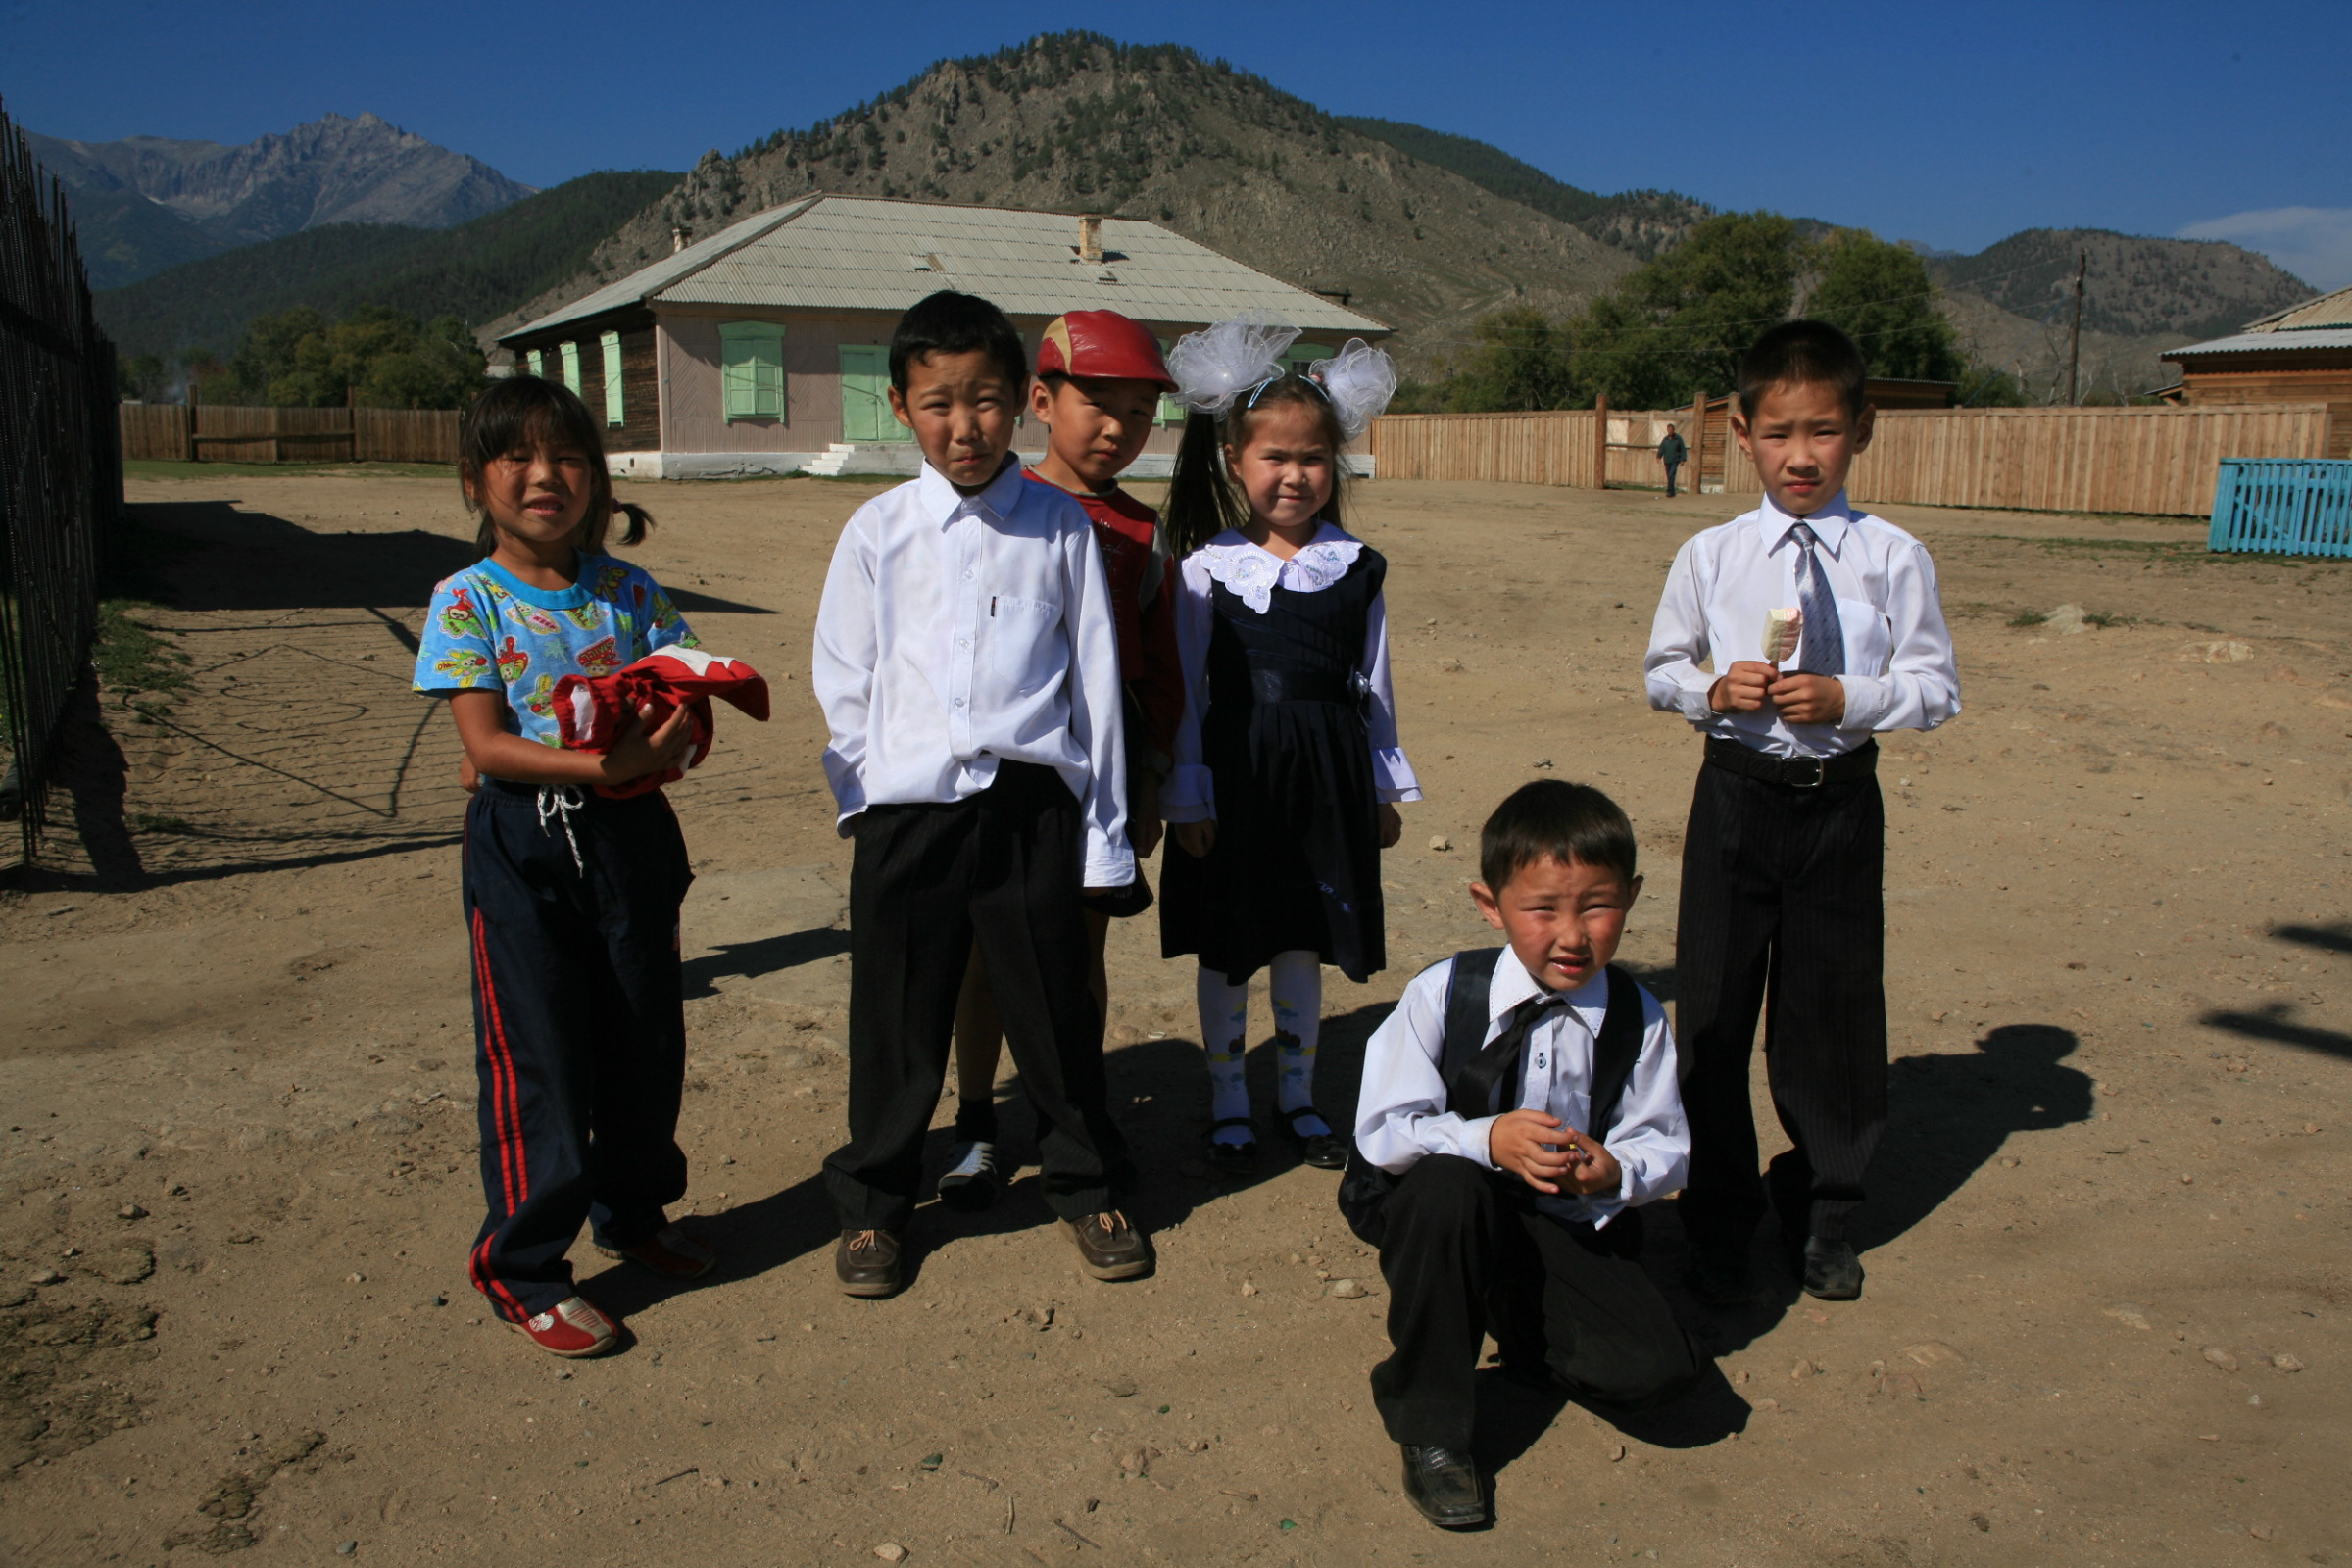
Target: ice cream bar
1783, 629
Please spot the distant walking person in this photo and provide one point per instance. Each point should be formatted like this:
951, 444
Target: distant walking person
1672, 452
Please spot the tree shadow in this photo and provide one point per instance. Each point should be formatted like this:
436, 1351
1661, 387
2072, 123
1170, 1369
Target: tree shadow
2274, 1022
2335, 938
765, 955
223, 558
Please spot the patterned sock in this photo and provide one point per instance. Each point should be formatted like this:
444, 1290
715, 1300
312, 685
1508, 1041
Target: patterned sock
1225, 1032
1296, 979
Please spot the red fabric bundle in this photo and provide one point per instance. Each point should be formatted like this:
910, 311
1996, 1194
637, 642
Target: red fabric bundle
593, 712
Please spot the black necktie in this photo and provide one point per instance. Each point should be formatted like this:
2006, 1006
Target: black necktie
1472, 1087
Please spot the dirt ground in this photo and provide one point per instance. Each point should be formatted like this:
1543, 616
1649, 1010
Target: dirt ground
2109, 1317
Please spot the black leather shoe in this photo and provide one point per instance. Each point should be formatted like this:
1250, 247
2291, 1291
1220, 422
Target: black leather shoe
1108, 1247
1442, 1483
1831, 1270
866, 1262
1720, 1279
1325, 1151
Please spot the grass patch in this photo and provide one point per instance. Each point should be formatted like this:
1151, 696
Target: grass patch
2027, 617
137, 665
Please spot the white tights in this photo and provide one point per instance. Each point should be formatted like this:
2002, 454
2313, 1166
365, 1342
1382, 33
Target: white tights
1295, 981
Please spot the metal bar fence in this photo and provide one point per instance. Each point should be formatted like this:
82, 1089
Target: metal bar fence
2283, 505
60, 475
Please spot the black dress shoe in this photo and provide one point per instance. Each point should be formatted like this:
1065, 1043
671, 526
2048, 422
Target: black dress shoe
1442, 1483
1324, 1151
1720, 1279
1831, 1270
1108, 1247
866, 1262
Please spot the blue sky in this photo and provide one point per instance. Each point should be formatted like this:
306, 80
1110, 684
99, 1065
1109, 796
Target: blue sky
1955, 125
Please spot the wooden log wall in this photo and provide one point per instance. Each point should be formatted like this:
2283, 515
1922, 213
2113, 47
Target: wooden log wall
2156, 461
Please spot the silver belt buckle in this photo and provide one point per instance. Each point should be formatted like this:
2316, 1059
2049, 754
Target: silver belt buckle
1821, 769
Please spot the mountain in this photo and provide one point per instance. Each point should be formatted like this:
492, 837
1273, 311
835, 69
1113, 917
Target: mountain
1075, 122
475, 271
1642, 222
145, 202
2134, 286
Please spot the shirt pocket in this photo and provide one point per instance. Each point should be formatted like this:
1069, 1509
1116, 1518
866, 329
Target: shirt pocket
1869, 637
1027, 649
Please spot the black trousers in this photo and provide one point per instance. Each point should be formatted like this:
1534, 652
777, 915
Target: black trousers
1004, 868
1466, 1251
1670, 468
1783, 912
579, 1030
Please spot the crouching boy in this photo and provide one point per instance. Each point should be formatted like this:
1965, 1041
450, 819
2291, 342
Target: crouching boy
1518, 1107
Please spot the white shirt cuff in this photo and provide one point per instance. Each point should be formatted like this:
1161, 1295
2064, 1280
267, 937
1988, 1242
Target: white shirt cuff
1190, 794
1476, 1140
1393, 774
1109, 869
1866, 702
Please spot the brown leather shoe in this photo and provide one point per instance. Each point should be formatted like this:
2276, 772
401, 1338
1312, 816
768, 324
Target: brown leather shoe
1108, 1247
866, 1262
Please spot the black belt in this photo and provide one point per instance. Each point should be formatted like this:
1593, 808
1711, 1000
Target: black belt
1291, 686
1795, 772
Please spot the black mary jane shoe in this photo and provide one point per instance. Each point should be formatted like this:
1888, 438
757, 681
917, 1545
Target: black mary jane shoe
1233, 1159
1325, 1151
1443, 1484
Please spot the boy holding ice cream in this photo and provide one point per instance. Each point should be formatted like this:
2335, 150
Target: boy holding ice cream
1822, 626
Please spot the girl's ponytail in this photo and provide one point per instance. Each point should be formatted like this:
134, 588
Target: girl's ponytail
1201, 501
640, 521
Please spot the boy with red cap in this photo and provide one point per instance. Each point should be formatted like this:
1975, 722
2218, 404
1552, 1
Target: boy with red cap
1099, 376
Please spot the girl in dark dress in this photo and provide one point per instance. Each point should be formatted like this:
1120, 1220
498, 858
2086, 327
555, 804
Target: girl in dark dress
1287, 765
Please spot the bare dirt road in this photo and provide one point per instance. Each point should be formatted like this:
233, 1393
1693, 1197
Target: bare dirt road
2109, 1318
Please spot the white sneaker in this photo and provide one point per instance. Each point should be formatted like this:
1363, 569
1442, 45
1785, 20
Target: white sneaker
970, 1183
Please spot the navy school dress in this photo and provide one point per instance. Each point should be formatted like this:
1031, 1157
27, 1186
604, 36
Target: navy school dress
1285, 736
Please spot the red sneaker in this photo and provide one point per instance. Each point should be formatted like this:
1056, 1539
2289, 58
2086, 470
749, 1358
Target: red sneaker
575, 1329
669, 1252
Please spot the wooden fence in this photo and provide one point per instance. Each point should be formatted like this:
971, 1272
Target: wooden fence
2160, 462
221, 432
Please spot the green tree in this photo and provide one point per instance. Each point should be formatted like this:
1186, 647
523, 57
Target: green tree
1882, 295
1677, 326
1986, 386
1518, 360
375, 355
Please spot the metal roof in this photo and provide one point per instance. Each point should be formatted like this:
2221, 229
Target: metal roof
2329, 310
2284, 341
864, 252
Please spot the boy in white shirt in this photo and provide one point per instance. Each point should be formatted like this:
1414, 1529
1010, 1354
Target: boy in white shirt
1822, 625
1517, 1110
967, 664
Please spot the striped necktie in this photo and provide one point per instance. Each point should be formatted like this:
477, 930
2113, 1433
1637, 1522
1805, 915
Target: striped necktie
1821, 650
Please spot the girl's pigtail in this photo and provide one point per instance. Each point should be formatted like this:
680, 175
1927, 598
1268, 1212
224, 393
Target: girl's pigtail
1201, 501
640, 521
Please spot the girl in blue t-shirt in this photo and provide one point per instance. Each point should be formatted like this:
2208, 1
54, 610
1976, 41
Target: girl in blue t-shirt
571, 897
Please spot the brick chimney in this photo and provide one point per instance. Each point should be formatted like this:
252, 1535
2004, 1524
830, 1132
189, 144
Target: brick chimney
1090, 237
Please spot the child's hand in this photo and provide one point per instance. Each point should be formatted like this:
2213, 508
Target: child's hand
1745, 688
644, 750
1594, 1169
1809, 699
1143, 815
469, 777
1391, 826
1520, 1142
1195, 839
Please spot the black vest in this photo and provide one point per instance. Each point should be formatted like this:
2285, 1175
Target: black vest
1364, 1187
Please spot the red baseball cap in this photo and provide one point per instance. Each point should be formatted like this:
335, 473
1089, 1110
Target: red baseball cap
1101, 344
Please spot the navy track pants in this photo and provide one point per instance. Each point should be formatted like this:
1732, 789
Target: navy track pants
579, 1028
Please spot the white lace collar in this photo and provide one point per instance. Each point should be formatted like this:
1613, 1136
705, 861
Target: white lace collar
1251, 572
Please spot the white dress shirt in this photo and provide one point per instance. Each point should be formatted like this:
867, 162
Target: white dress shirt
1900, 672
1251, 572
957, 630
1401, 1112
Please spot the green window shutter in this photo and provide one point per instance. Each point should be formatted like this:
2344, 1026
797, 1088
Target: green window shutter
1303, 355
1170, 411
751, 369
611, 346
536, 361
572, 367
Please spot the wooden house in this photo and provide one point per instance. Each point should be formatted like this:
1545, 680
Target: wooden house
764, 347
2300, 355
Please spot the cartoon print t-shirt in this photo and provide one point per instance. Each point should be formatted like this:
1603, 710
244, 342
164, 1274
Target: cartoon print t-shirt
488, 628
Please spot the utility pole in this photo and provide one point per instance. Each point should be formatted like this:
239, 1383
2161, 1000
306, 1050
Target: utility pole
2074, 339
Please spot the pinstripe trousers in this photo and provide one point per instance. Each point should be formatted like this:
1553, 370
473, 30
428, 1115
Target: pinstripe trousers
1782, 913
579, 1030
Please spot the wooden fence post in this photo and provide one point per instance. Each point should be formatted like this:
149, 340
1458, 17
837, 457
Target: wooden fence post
1698, 442
188, 432
1600, 442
